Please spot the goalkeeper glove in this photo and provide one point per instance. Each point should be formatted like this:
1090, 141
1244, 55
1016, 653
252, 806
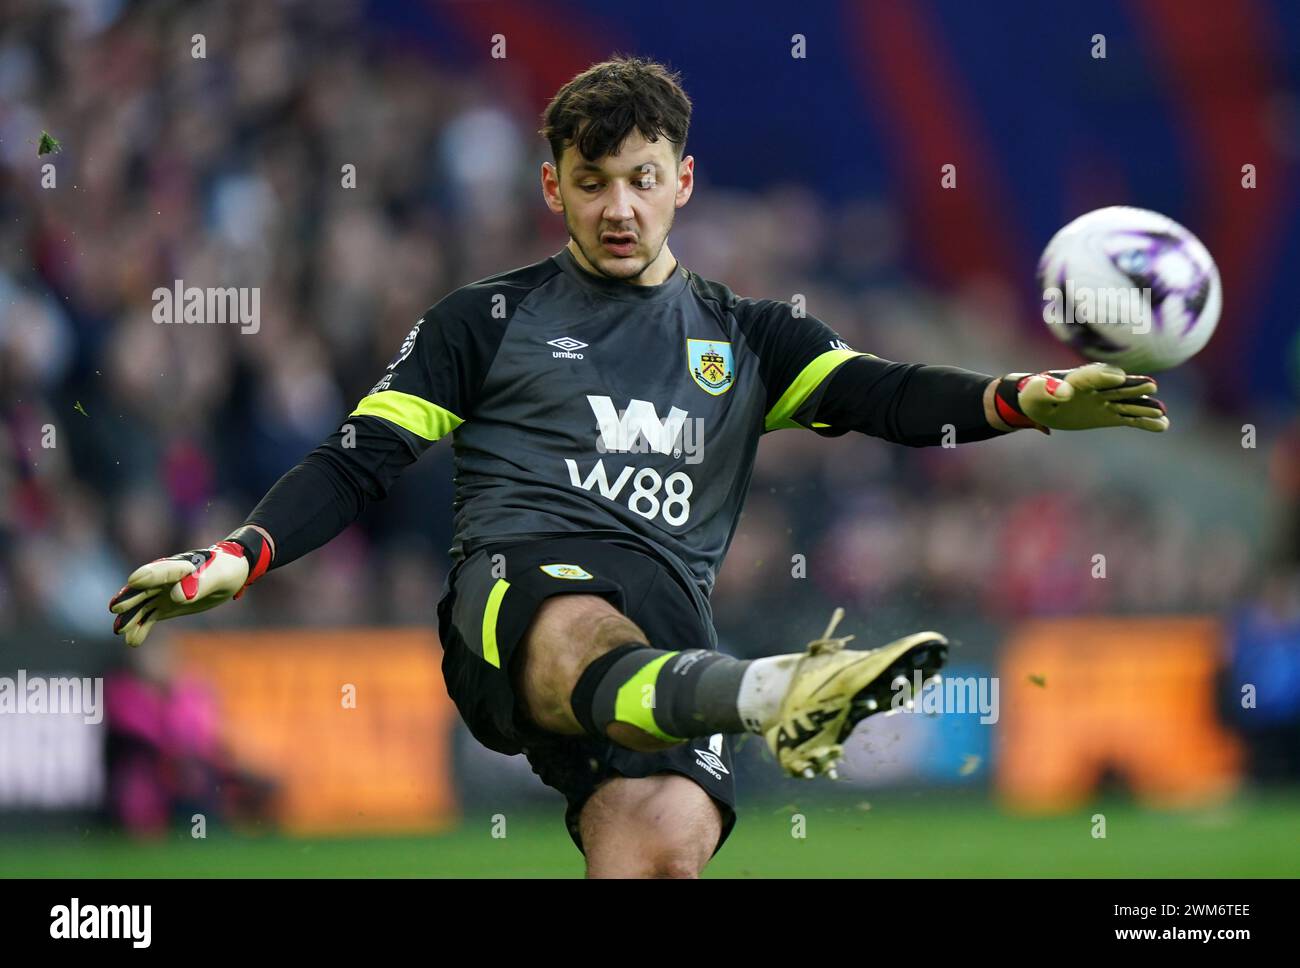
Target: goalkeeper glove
1096, 395
190, 582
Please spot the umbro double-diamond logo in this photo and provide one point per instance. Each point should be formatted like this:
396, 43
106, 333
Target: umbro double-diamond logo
710, 760
566, 348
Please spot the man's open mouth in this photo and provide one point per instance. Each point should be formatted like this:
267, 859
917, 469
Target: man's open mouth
619, 243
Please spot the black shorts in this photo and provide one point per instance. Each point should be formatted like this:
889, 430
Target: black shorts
490, 600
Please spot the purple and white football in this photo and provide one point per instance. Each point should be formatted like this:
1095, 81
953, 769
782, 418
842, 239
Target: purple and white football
1130, 287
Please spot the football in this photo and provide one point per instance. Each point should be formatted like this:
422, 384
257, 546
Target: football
1130, 287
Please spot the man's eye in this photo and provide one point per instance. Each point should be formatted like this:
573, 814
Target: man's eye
590, 187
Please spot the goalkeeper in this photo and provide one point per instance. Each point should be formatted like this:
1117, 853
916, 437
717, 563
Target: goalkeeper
575, 619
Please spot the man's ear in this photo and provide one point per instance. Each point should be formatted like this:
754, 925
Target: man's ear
551, 187
685, 180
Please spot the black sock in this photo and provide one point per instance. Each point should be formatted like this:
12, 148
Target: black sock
673, 696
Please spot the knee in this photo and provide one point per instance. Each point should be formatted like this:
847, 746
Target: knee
673, 861
659, 826
651, 860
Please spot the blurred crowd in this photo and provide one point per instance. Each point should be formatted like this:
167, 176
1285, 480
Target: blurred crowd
122, 440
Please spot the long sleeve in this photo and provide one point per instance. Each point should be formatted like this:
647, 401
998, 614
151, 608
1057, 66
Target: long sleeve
425, 393
906, 403
324, 493
815, 381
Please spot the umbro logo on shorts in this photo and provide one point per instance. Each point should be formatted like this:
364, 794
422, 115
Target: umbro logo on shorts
710, 760
566, 348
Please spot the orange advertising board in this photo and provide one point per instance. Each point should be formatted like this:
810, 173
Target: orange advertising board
354, 726
1131, 696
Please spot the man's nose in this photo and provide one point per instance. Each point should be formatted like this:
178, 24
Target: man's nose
619, 207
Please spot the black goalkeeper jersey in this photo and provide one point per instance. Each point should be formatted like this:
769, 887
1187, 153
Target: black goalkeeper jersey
579, 404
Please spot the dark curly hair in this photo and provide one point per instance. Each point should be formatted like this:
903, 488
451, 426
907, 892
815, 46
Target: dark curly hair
596, 110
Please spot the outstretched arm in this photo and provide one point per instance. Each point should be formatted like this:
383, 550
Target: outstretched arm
433, 379
906, 403
305, 509
814, 380
920, 405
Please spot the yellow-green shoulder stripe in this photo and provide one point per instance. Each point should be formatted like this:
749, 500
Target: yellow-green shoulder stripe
808, 380
419, 416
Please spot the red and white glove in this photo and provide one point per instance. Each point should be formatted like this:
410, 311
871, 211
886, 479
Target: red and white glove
190, 582
1096, 395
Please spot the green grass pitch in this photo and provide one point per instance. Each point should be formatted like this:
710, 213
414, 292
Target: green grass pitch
927, 835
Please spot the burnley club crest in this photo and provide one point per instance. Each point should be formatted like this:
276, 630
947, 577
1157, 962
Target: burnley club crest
710, 365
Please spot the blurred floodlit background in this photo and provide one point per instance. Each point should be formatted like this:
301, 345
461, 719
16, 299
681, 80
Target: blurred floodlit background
818, 175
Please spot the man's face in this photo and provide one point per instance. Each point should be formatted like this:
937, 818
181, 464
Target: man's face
618, 209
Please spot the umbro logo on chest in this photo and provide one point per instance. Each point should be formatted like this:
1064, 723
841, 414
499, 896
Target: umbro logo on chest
565, 348
709, 362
